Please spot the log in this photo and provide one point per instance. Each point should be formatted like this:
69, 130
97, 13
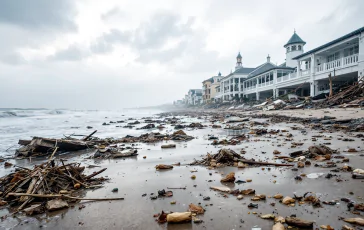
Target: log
293, 221
178, 217
264, 163
62, 196
24, 142
95, 174
357, 220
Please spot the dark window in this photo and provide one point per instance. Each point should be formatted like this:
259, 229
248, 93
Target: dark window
287, 49
293, 48
299, 47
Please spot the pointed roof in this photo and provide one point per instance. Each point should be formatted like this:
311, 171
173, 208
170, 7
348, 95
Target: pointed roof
219, 74
294, 39
239, 55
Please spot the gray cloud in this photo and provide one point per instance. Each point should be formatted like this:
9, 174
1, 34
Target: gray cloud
162, 26
13, 59
114, 12
38, 14
172, 51
72, 53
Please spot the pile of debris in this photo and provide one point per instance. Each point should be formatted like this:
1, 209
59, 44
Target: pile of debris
232, 141
224, 157
350, 96
48, 186
114, 152
40, 146
155, 137
228, 157
192, 125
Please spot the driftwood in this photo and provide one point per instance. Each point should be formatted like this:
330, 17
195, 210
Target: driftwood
47, 180
62, 196
293, 221
95, 173
264, 163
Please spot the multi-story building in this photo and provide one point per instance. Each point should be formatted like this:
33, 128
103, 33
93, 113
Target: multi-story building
304, 73
209, 89
194, 97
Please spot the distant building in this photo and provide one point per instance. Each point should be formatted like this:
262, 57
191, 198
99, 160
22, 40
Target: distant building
194, 97
209, 88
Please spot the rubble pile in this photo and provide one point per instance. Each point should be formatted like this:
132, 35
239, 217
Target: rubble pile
155, 137
232, 141
114, 152
48, 186
224, 157
40, 146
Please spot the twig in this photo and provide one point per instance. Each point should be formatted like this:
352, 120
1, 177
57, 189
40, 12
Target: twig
61, 196
88, 137
177, 188
95, 173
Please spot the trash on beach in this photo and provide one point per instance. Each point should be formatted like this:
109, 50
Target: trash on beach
168, 146
49, 183
356, 220
229, 178
267, 216
288, 200
297, 222
278, 226
196, 209
221, 189
179, 217
163, 166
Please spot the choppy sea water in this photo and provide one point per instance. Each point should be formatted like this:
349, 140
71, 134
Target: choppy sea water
18, 124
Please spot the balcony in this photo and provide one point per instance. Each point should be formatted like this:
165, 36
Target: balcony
264, 84
305, 72
338, 64
287, 77
250, 88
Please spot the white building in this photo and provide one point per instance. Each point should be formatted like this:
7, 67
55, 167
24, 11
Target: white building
304, 73
194, 97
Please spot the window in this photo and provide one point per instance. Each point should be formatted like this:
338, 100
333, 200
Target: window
293, 48
271, 76
351, 51
333, 57
287, 49
299, 47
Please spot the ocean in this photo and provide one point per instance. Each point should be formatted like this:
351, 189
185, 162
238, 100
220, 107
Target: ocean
18, 124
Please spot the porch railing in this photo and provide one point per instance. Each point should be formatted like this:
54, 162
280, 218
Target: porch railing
338, 64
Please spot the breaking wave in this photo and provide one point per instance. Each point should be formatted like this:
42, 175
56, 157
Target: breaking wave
8, 113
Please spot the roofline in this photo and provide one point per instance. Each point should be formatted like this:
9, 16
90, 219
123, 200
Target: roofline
276, 67
304, 43
210, 79
349, 35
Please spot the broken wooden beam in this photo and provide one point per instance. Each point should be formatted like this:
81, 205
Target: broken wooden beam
264, 163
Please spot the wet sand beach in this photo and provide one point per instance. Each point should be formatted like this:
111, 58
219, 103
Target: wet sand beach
136, 176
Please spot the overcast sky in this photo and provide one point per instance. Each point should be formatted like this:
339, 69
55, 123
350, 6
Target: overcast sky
93, 54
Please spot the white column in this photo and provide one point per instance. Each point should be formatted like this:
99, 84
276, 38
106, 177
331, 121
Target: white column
313, 64
274, 77
298, 68
257, 95
361, 57
313, 88
239, 86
